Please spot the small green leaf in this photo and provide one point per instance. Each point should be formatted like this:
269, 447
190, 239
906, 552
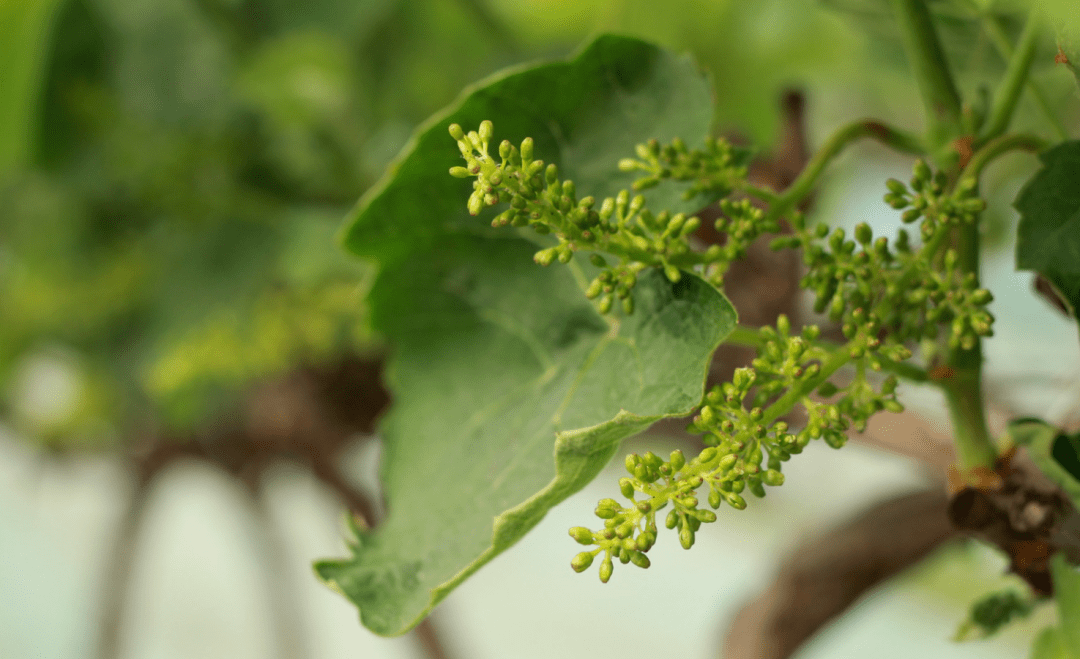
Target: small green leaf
1048, 238
993, 612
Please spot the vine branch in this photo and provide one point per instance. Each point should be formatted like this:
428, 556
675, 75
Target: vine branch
931, 69
1016, 74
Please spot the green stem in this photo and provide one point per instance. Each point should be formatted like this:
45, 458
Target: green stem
768, 196
784, 403
931, 70
1016, 74
745, 336
804, 184
963, 391
751, 338
1000, 146
1001, 41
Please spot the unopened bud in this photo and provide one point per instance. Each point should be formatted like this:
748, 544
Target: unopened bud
582, 535
582, 561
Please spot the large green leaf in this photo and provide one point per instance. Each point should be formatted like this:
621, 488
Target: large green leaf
511, 392
584, 114
1048, 239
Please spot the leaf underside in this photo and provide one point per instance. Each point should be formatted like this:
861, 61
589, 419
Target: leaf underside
511, 392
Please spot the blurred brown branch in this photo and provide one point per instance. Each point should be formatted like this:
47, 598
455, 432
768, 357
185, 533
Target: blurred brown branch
823, 576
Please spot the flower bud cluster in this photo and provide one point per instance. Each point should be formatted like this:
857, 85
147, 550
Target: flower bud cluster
741, 223
747, 446
619, 227
930, 199
630, 531
715, 171
911, 291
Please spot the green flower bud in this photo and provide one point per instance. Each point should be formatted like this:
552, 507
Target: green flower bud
625, 530
624, 555
605, 570
582, 535
607, 509
486, 131
671, 272
706, 516
744, 377
678, 460
594, 289
863, 233
457, 133
652, 459
896, 187
545, 256
644, 506
773, 478
893, 406
981, 296
582, 561
690, 226
460, 172
527, 150
686, 537
605, 304
834, 438
632, 461
628, 165
637, 203
714, 499
476, 203
736, 501
639, 559
707, 454
922, 171
672, 519
626, 486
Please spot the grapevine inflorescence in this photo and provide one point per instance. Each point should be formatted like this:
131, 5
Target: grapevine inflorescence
883, 297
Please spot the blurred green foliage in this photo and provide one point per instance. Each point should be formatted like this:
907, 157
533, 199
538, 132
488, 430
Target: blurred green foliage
172, 173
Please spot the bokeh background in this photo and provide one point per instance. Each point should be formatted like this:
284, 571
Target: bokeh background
186, 369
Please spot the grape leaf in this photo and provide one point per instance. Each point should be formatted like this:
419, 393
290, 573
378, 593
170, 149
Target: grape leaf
511, 392
584, 114
1048, 238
